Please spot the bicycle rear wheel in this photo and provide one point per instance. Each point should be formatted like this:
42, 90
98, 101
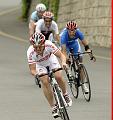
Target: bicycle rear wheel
73, 85
84, 79
62, 111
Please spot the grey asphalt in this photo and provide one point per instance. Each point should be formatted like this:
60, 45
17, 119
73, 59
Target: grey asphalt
21, 99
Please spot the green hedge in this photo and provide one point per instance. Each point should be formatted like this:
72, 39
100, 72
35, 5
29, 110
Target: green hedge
25, 9
45, 2
52, 5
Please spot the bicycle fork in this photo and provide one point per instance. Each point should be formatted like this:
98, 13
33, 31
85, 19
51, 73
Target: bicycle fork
58, 97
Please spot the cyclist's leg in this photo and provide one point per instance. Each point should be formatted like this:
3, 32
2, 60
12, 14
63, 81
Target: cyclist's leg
45, 84
58, 75
62, 83
81, 74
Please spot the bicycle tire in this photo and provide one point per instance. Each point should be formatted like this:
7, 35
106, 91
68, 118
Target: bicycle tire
74, 84
63, 111
86, 81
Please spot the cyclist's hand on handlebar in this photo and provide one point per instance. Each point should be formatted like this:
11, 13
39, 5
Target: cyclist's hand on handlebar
64, 65
92, 57
68, 61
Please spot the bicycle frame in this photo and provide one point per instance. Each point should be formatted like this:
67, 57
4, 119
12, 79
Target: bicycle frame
58, 95
76, 59
55, 86
80, 75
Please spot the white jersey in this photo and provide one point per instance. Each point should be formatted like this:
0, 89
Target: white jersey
40, 27
48, 54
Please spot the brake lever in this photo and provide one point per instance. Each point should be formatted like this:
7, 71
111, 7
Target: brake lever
92, 57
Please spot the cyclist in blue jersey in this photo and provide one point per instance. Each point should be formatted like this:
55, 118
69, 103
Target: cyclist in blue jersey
35, 16
69, 38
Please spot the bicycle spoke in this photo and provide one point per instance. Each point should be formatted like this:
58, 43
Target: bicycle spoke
62, 111
73, 85
85, 80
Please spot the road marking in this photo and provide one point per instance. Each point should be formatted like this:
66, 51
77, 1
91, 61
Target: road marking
26, 41
23, 40
13, 37
101, 57
8, 11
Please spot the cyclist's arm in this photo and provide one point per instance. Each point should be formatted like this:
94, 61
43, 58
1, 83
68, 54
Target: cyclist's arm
54, 50
32, 68
55, 31
57, 37
62, 57
39, 25
63, 44
86, 45
63, 49
84, 42
31, 60
31, 27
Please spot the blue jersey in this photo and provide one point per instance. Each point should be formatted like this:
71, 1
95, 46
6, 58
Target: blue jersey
34, 16
71, 42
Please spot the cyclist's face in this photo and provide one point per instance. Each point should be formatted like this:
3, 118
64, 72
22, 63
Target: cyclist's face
40, 13
71, 33
47, 22
39, 48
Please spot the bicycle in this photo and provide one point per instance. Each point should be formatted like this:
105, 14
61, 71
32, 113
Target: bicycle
58, 95
79, 75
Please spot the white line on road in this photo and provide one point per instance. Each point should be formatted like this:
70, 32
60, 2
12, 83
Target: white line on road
23, 40
9, 10
26, 41
101, 57
13, 37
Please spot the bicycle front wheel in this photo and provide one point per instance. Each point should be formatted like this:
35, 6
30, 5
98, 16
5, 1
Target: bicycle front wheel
85, 83
73, 85
62, 110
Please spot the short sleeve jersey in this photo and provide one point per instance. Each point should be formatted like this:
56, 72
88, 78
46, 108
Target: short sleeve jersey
50, 49
40, 27
71, 42
34, 16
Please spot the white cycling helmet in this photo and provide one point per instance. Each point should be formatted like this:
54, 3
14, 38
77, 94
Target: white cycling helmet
39, 38
40, 7
48, 14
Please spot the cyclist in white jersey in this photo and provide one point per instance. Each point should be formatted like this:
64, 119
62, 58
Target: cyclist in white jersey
35, 16
44, 53
48, 27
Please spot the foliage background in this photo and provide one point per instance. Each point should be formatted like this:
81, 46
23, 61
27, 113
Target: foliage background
52, 5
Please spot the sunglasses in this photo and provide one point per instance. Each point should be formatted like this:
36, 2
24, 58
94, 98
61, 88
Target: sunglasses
40, 45
48, 21
73, 30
